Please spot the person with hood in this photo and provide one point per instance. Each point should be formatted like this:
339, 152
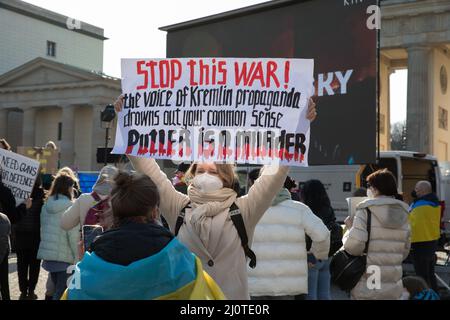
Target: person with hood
58, 248
207, 228
27, 243
138, 259
279, 242
425, 219
314, 195
5, 247
76, 214
389, 241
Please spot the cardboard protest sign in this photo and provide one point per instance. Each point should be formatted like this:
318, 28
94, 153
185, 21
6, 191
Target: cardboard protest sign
216, 109
47, 157
18, 174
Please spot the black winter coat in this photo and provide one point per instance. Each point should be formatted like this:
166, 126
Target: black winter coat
29, 226
326, 214
8, 204
131, 242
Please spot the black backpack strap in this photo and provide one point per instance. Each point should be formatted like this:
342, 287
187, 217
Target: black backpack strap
238, 221
369, 226
180, 219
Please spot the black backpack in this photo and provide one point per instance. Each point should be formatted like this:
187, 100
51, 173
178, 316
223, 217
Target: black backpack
238, 221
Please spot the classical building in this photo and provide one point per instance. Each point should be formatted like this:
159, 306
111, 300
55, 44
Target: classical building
51, 82
416, 35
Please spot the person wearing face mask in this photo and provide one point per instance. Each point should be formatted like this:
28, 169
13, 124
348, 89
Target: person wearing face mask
389, 240
137, 250
424, 217
208, 228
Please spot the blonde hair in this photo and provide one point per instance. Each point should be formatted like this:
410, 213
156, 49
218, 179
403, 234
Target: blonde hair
224, 171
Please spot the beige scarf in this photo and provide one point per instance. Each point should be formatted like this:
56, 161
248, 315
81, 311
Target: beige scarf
207, 205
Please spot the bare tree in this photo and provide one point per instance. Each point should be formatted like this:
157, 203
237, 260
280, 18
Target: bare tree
398, 136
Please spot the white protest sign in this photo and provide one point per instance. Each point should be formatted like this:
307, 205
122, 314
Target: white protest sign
18, 174
216, 109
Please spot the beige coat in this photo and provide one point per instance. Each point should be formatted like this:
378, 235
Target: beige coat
388, 246
76, 214
223, 249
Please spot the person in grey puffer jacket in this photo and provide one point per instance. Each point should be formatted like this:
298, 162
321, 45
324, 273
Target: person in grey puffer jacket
5, 231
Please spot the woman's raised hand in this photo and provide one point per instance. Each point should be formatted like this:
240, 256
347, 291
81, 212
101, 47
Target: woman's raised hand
312, 112
118, 104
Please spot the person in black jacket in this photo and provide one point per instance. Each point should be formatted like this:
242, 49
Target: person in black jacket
5, 231
8, 203
27, 243
314, 195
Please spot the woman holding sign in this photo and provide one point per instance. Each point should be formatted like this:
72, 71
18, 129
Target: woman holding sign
211, 220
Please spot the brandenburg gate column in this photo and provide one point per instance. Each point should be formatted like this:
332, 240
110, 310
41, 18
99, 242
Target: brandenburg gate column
419, 107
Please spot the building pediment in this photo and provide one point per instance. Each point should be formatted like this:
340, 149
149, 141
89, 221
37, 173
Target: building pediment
42, 72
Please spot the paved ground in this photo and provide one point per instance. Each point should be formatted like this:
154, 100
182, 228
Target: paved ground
336, 294
14, 281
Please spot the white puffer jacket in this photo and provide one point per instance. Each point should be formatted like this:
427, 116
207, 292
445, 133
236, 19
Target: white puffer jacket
280, 248
388, 246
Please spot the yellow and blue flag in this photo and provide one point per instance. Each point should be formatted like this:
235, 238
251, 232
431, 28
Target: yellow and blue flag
172, 273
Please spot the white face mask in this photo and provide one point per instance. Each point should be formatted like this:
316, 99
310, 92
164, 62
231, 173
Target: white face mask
207, 183
370, 193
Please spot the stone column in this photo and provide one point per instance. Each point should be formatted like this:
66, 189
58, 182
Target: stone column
28, 127
388, 113
419, 122
67, 136
98, 135
3, 123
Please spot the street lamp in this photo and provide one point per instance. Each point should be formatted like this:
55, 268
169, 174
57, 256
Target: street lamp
107, 116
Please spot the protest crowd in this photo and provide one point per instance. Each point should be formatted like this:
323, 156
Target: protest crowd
142, 235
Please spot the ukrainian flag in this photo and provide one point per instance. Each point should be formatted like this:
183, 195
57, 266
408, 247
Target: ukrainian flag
425, 220
173, 273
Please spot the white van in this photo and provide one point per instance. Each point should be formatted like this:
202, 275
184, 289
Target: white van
342, 181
